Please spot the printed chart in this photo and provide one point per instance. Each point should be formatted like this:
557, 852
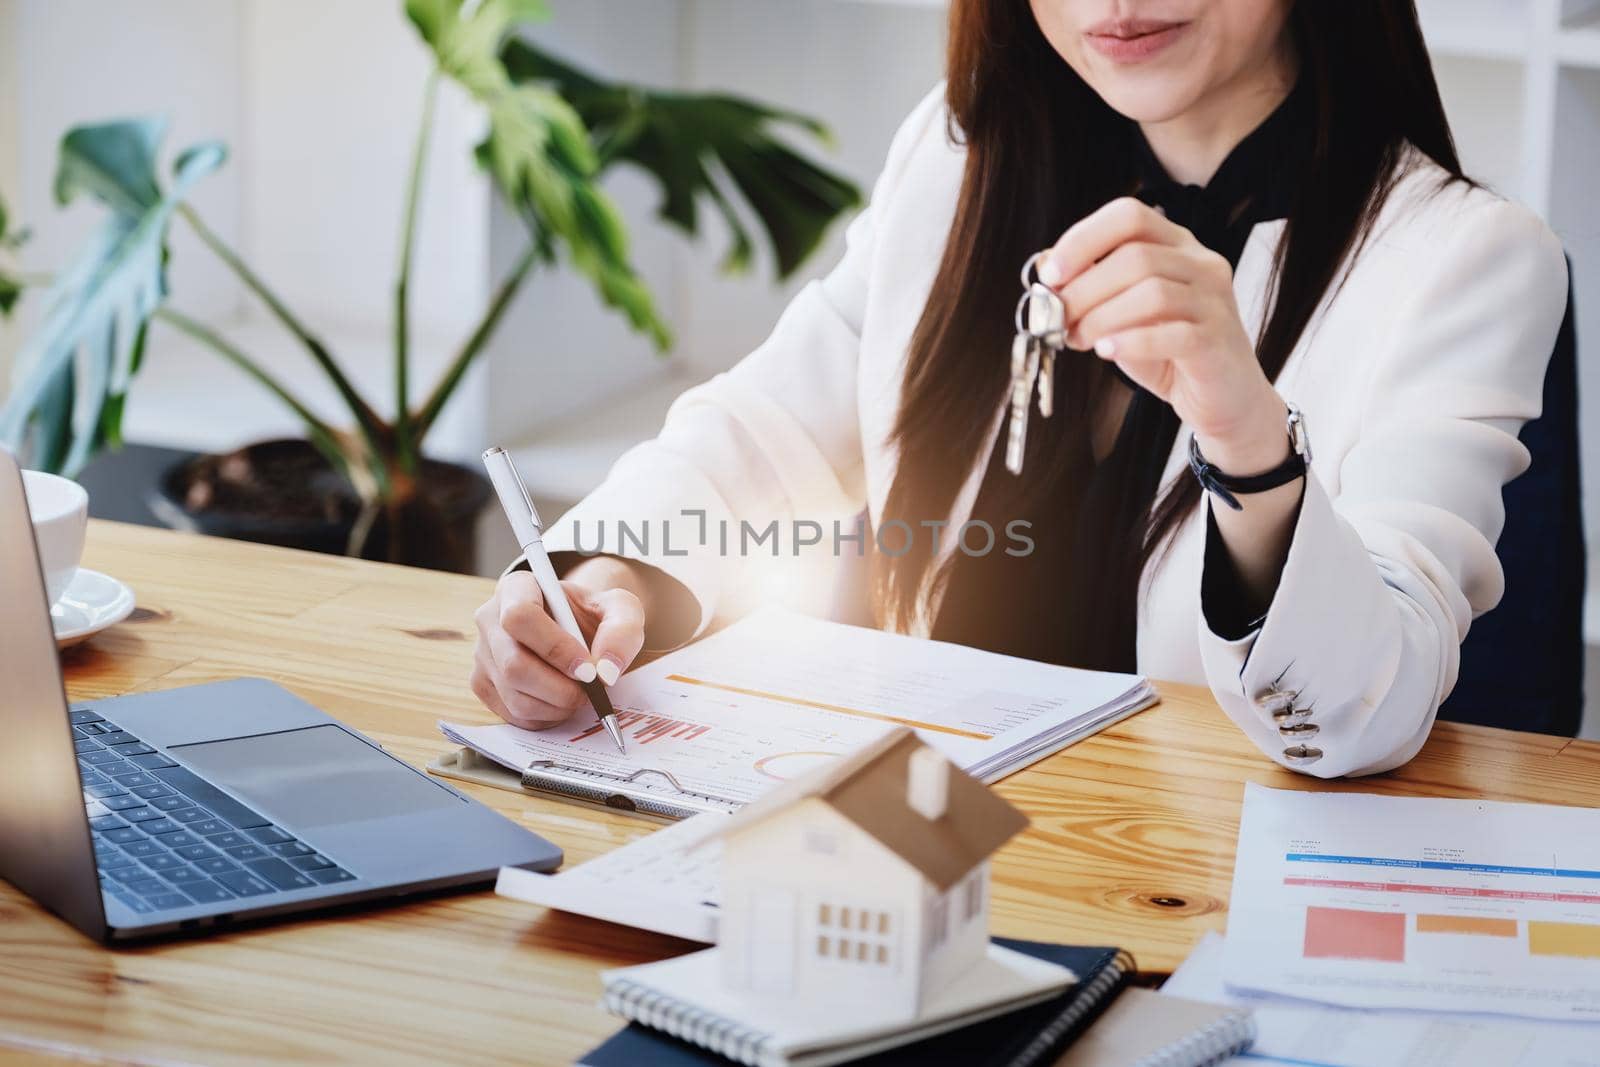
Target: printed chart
1354, 933
1397, 902
710, 747
716, 724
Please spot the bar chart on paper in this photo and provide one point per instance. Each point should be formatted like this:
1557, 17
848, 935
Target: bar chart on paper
1374, 901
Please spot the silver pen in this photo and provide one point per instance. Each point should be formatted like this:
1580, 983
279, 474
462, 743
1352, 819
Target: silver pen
528, 529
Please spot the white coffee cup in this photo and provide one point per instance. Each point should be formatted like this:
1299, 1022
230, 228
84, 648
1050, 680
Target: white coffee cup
59, 508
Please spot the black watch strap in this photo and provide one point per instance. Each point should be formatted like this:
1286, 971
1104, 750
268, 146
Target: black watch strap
1228, 488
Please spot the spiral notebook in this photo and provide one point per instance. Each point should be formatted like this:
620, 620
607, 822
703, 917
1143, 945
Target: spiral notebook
1029, 1036
1148, 1029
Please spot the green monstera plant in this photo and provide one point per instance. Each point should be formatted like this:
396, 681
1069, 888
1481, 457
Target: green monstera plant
10, 284
553, 132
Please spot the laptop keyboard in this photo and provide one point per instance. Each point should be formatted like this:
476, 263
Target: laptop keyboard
165, 838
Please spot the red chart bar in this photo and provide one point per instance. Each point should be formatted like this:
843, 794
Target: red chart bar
1346, 934
650, 728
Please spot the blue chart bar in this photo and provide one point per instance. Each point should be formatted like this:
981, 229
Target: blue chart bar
1437, 865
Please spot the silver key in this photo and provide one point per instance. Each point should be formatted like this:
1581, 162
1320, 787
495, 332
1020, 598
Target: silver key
1041, 332
1047, 321
1024, 370
1047, 383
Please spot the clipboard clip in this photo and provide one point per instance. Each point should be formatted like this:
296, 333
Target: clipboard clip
569, 780
624, 779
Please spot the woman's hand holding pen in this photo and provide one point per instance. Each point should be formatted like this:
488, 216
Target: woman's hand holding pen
527, 669
1144, 293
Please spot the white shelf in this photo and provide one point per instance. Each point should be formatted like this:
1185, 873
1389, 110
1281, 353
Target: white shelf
1476, 37
1579, 46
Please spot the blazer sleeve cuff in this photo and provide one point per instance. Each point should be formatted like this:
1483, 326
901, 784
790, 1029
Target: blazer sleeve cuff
1330, 638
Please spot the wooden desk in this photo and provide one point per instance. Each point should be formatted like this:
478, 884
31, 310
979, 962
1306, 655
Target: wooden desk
1131, 844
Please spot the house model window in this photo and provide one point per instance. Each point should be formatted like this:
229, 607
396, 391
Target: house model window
866, 878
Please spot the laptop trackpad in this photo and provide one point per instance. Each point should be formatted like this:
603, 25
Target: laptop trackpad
317, 776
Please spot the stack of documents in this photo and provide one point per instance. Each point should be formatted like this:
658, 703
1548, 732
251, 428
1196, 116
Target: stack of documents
1418, 902
713, 725
1368, 930
1300, 1034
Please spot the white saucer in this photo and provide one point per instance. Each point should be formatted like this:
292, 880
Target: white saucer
93, 602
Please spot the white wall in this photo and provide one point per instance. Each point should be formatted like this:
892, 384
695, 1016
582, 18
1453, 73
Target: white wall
82, 61
332, 93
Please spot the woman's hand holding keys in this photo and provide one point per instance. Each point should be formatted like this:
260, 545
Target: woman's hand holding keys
1143, 292
527, 669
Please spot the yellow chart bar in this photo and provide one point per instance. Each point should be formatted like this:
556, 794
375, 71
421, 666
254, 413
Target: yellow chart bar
1466, 924
857, 712
1564, 939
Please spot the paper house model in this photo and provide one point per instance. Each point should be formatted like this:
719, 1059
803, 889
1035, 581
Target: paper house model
867, 878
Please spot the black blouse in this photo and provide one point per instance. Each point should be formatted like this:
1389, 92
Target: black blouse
1060, 603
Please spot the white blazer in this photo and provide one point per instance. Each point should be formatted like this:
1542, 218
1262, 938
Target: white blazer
1415, 379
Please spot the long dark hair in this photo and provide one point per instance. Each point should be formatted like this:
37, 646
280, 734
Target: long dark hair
1036, 161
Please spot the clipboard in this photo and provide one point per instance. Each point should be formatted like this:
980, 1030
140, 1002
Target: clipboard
651, 794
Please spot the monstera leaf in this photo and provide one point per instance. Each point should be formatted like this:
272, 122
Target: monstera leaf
537, 150
709, 146
10, 286
73, 372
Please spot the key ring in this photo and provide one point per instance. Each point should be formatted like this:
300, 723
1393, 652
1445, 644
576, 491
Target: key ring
1030, 266
1017, 316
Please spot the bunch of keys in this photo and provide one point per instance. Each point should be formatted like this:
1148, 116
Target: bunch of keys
1041, 321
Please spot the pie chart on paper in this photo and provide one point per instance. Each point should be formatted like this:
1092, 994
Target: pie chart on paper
782, 766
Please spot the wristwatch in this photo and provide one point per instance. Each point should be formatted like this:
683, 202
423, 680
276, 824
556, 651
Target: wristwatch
1228, 488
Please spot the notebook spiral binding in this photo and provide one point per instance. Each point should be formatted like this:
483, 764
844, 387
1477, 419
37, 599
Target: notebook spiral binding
721, 1035
1226, 1037
1049, 1043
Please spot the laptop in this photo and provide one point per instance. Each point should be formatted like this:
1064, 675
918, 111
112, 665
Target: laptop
211, 805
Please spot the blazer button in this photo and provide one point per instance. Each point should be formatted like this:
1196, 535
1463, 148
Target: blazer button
1273, 700
1301, 755
1290, 717
1300, 733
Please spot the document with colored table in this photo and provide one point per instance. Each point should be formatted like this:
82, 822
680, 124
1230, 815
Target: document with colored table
1417, 902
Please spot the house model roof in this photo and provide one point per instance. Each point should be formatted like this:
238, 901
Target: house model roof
870, 788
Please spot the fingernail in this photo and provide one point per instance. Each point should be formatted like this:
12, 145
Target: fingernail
609, 671
583, 671
1105, 348
1050, 271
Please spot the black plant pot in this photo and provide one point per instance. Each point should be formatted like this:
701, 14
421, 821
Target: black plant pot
285, 493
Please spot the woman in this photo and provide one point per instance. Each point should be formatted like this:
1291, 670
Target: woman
1259, 226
